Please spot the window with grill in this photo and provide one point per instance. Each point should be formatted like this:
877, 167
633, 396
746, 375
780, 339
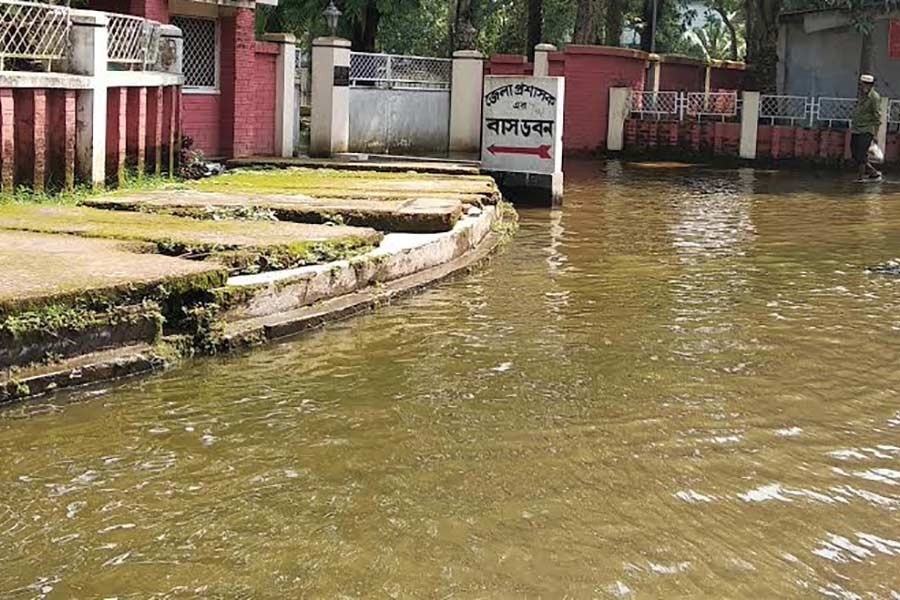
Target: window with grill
201, 52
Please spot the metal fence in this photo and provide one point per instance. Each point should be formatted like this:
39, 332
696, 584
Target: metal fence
132, 40
785, 109
831, 110
711, 104
32, 30
392, 71
303, 76
659, 105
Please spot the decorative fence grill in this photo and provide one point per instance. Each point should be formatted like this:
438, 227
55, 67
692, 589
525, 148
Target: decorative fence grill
303, 76
711, 104
792, 109
32, 30
133, 40
661, 105
391, 71
773, 109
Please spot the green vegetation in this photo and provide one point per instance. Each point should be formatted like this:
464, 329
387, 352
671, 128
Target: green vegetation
133, 183
242, 246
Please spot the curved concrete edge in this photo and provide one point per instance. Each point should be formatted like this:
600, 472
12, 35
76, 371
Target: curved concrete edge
253, 332
143, 359
399, 255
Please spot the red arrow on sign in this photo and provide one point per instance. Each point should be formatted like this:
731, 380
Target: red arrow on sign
539, 151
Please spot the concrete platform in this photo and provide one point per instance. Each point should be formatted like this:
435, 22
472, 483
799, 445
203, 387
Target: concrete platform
380, 164
231, 242
323, 183
416, 215
40, 269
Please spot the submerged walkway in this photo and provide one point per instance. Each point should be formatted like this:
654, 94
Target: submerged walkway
151, 276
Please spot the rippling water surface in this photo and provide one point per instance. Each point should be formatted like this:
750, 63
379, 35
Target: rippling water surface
683, 384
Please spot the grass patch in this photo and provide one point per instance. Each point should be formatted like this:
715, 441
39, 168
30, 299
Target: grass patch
133, 183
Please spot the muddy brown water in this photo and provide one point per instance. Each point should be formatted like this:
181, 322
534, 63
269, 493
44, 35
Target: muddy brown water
683, 384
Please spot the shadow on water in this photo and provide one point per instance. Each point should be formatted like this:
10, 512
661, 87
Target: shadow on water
682, 384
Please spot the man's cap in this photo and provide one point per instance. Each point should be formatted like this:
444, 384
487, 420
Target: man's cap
866, 78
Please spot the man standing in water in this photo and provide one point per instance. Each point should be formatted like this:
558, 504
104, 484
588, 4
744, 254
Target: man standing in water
866, 119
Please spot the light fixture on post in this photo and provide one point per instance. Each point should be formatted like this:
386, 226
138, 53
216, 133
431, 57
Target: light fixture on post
332, 14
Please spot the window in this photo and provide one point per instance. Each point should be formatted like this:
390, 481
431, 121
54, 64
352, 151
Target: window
201, 52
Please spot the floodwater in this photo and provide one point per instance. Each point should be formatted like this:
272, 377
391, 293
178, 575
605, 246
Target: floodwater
682, 384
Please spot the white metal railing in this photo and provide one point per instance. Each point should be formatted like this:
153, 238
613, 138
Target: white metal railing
399, 72
132, 40
780, 108
33, 30
711, 104
660, 105
303, 76
831, 110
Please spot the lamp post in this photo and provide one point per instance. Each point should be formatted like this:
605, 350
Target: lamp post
332, 15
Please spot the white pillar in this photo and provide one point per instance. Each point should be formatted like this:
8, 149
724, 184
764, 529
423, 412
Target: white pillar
881, 136
707, 81
330, 113
88, 56
542, 59
749, 125
466, 87
171, 50
619, 108
284, 92
654, 71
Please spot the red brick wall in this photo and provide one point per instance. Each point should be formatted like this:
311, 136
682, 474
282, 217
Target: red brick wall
726, 79
713, 139
590, 71
201, 122
263, 112
682, 77
238, 61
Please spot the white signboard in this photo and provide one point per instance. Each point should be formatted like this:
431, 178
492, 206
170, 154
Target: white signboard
522, 124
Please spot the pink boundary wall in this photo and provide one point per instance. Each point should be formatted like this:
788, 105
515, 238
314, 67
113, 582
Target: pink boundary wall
590, 72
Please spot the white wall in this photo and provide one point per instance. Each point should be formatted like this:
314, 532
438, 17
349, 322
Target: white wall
414, 122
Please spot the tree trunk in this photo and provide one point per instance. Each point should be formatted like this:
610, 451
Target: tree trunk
614, 21
867, 52
762, 43
587, 22
365, 28
462, 30
648, 33
535, 26
729, 25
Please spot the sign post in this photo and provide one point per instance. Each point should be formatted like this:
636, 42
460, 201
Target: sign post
521, 141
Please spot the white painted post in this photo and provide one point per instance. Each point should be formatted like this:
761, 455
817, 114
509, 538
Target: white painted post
330, 112
654, 71
619, 107
284, 91
749, 125
88, 56
707, 81
881, 136
171, 50
542, 59
466, 87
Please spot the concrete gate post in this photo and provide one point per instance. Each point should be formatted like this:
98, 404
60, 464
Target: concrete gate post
542, 59
881, 135
330, 112
284, 92
619, 109
749, 125
88, 56
466, 87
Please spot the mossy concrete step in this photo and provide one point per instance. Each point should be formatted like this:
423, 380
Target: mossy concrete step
105, 365
41, 337
243, 246
416, 215
39, 270
325, 183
